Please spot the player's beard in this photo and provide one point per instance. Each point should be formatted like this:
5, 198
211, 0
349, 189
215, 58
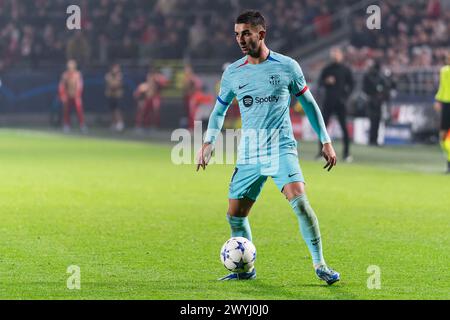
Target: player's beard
253, 50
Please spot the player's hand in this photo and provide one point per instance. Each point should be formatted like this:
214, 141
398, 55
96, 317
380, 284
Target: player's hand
63, 99
204, 155
330, 80
330, 156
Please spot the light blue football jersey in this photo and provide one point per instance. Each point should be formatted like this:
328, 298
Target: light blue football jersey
264, 93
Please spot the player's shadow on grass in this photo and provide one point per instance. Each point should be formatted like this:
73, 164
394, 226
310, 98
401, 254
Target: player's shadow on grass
268, 291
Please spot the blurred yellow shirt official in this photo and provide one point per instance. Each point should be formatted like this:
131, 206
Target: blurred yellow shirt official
443, 94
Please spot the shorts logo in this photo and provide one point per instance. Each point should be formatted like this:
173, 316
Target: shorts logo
274, 79
248, 101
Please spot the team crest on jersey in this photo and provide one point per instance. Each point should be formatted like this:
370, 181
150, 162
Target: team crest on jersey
274, 79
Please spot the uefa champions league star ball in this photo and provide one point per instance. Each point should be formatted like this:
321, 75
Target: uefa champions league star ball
238, 254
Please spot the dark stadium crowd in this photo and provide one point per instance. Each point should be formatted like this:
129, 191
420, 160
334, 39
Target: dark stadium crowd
414, 34
33, 32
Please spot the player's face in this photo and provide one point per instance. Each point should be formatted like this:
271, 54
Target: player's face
71, 65
249, 38
116, 68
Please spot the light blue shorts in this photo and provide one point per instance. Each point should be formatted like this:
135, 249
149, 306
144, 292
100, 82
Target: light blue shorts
248, 179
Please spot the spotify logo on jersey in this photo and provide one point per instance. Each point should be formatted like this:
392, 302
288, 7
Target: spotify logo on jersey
248, 101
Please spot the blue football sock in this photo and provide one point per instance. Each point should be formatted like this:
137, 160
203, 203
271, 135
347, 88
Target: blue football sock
309, 227
240, 227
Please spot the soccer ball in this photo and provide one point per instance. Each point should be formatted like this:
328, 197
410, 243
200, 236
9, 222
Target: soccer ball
238, 254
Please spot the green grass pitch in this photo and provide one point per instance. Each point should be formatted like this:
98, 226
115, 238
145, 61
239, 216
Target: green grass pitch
140, 227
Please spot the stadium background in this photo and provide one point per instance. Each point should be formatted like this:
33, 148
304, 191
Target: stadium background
81, 200
168, 34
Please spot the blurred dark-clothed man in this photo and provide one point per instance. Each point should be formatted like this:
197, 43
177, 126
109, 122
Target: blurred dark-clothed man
337, 81
377, 88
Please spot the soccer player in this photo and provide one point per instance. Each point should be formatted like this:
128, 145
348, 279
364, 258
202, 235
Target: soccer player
263, 81
442, 104
191, 85
114, 93
71, 94
148, 95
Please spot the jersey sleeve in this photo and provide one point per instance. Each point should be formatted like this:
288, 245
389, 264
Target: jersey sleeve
299, 88
217, 116
297, 85
226, 94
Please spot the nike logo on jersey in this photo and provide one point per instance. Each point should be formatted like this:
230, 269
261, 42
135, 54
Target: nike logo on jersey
293, 174
242, 87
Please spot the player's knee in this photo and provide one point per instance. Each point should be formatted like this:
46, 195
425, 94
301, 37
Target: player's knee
239, 207
238, 212
294, 193
293, 190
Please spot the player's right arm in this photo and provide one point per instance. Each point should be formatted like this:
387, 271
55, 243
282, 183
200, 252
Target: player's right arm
216, 119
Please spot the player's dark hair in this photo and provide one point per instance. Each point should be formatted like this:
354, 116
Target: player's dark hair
253, 17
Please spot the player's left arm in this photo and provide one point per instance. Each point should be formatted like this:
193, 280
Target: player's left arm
301, 91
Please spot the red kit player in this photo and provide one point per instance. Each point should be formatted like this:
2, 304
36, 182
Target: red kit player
70, 93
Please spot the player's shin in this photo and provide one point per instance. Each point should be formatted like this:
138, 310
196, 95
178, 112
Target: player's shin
446, 147
240, 227
309, 228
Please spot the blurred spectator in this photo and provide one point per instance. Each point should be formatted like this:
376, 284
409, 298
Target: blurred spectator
114, 93
323, 22
413, 33
377, 88
434, 9
197, 35
78, 49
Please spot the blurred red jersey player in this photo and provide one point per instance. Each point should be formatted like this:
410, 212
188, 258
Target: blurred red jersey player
148, 96
70, 93
193, 94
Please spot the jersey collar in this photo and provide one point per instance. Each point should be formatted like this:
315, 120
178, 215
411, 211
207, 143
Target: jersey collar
269, 58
